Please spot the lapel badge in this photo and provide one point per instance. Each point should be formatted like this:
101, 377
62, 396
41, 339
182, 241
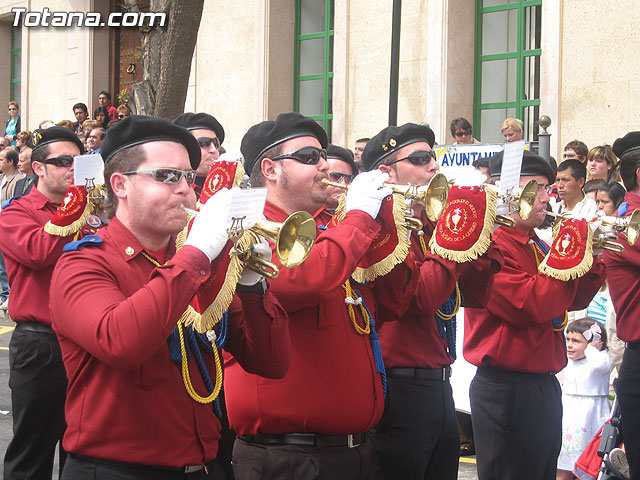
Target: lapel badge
129, 251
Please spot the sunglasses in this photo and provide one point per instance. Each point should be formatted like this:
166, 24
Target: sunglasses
306, 155
169, 176
421, 157
339, 177
60, 161
463, 133
204, 142
12, 108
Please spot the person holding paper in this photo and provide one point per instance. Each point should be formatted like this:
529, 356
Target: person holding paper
314, 422
36, 373
517, 343
418, 437
116, 300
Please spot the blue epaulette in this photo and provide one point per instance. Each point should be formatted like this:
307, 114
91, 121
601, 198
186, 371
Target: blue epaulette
88, 240
6, 203
622, 209
322, 227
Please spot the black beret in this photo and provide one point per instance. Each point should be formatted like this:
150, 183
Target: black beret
138, 129
392, 138
204, 121
334, 151
631, 141
532, 164
265, 135
44, 136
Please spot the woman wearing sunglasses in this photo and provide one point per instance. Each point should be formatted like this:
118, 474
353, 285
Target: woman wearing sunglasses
12, 127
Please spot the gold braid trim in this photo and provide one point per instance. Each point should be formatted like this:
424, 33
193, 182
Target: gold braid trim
186, 376
74, 227
400, 251
213, 313
352, 314
484, 240
575, 272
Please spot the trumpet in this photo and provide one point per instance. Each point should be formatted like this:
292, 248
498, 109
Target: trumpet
433, 197
293, 240
525, 200
630, 225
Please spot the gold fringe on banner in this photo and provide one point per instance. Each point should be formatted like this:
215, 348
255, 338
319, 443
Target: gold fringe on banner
399, 253
575, 272
484, 240
63, 231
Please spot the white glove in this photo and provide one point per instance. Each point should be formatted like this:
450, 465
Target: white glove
585, 210
209, 230
367, 191
249, 277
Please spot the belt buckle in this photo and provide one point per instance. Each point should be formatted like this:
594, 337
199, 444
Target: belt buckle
350, 441
194, 468
444, 374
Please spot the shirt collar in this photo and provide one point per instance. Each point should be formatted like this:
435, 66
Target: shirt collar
127, 244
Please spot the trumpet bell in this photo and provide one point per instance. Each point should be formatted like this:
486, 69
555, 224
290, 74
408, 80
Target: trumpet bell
527, 199
633, 229
435, 197
293, 238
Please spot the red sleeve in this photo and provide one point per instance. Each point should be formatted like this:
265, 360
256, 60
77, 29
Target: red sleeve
436, 282
23, 238
520, 298
259, 335
395, 291
122, 331
476, 282
332, 260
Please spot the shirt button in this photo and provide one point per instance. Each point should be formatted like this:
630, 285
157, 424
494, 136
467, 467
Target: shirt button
203, 272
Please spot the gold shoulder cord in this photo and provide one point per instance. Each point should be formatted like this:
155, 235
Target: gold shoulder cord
351, 300
186, 376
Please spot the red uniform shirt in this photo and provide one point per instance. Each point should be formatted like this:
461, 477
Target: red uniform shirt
332, 386
30, 254
415, 341
515, 331
113, 311
623, 271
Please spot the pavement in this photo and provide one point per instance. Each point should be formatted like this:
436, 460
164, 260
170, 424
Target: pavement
467, 470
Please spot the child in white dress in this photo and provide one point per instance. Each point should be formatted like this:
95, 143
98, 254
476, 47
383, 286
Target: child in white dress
585, 388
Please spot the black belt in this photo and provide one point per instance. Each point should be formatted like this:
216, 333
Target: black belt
152, 468
307, 439
34, 327
442, 374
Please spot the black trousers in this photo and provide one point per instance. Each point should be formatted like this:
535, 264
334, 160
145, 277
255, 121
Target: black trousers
283, 462
517, 424
82, 468
418, 437
628, 390
38, 385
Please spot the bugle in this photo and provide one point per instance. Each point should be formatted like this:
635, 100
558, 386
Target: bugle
433, 197
525, 200
293, 240
630, 225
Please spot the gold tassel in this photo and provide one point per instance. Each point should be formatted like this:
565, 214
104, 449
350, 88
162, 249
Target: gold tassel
484, 240
74, 227
572, 273
399, 253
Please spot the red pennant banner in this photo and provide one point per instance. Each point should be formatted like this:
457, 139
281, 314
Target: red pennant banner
570, 255
72, 208
223, 174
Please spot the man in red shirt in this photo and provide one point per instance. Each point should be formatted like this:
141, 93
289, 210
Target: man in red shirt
209, 133
104, 100
313, 422
517, 343
624, 284
37, 377
418, 437
116, 299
